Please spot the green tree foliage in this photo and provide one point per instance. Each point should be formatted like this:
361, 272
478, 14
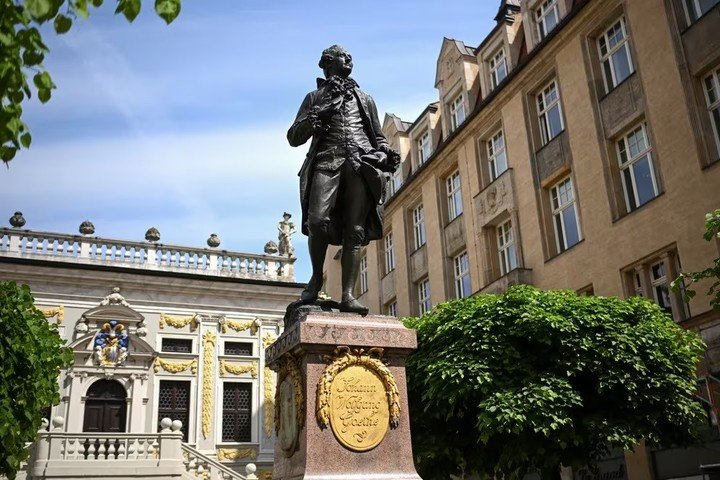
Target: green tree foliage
31, 356
22, 52
684, 282
531, 380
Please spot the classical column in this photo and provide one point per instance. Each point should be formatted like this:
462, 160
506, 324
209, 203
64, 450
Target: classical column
76, 406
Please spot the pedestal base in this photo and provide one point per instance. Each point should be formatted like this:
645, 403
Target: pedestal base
322, 414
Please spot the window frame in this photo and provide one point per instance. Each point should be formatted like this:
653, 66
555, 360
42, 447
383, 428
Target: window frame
391, 308
713, 106
494, 67
457, 105
418, 218
557, 212
424, 148
363, 276
545, 107
607, 57
453, 190
697, 12
461, 273
541, 14
505, 243
423, 291
389, 253
494, 153
623, 145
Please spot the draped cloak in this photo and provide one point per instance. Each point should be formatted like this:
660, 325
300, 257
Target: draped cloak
375, 180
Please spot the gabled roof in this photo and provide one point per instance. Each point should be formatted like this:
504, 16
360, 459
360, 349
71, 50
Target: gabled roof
396, 122
507, 8
459, 46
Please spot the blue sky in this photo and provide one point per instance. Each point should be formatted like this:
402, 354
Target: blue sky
182, 127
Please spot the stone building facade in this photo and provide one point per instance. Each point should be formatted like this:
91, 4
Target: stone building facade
576, 147
157, 331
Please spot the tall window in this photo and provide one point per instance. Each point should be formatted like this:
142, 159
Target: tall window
395, 182
506, 247
712, 97
423, 148
547, 17
636, 168
391, 309
462, 275
497, 160
549, 112
424, 295
389, 253
237, 400
615, 55
565, 215
697, 8
454, 194
660, 290
418, 215
498, 68
174, 403
457, 112
363, 274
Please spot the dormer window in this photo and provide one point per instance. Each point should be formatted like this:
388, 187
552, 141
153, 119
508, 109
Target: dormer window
457, 112
547, 17
424, 148
498, 69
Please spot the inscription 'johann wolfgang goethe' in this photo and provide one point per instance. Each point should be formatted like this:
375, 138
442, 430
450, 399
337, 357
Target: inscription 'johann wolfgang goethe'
359, 411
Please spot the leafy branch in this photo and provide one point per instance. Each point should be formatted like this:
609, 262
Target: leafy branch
22, 52
685, 280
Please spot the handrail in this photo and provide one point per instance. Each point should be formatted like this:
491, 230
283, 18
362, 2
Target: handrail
229, 472
146, 255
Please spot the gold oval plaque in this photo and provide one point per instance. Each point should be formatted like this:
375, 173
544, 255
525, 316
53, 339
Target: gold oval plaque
359, 411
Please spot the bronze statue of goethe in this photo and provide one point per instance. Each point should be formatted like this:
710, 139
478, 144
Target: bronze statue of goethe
345, 173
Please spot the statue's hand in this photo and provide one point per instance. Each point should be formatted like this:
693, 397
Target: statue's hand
313, 117
393, 157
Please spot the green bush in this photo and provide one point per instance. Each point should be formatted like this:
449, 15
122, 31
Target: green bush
531, 380
31, 356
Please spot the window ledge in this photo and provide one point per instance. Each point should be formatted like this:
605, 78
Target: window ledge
564, 251
711, 164
609, 92
454, 219
641, 207
509, 169
550, 141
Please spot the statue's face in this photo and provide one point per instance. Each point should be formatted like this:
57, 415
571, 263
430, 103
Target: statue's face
340, 65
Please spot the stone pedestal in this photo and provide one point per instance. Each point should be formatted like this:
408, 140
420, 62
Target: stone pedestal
341, 402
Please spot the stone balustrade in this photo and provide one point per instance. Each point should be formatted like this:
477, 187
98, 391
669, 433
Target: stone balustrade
59, 247
60, 454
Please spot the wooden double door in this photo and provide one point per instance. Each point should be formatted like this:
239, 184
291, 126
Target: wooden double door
105, 407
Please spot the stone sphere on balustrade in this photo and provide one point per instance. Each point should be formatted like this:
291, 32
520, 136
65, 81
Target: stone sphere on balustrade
176, 425
165, 423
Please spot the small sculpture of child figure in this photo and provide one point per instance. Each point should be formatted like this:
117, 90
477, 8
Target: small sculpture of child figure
285, 229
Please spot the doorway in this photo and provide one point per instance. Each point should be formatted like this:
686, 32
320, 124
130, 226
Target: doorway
105, 407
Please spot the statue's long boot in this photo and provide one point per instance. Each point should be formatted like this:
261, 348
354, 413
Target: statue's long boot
350, 268
318, 249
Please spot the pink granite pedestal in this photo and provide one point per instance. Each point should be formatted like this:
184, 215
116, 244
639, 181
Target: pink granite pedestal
319, 455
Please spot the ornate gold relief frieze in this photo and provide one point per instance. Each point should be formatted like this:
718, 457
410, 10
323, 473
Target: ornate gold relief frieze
289, 404
58, 312
224, 454
269, 403
357, 397
179, 322
238, 368
268, 339
208, 387
240, 325
175, 367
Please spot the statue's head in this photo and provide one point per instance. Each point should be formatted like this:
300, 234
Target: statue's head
336, 60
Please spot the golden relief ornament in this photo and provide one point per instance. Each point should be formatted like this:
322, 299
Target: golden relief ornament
224, 454
238, 368
269, 403
175, 367
268, 339
240, 325
180, 322
357, 397
208, 387
58, 312
289, 405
